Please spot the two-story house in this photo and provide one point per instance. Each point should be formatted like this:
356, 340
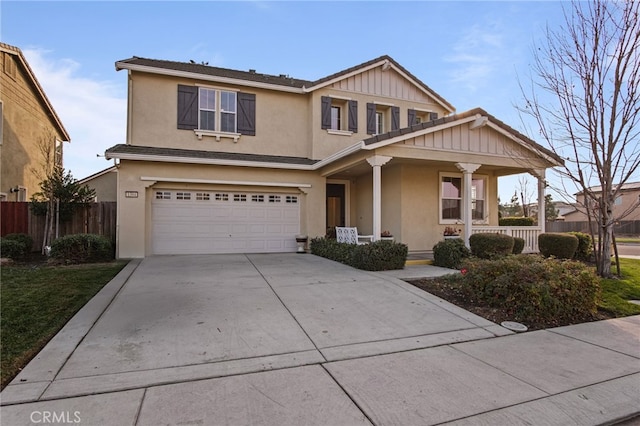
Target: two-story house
225, 161
626, 206
29, 125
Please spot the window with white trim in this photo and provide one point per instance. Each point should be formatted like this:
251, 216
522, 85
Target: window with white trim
257, 198
274, 198
291, 199
163, 195
217, 110
240, 197
379, 122
451, 193
183, 195
223, 197
203, 196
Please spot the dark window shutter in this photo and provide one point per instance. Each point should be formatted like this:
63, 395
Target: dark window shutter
247, 113
371, 119
433, 116
411, 117
395, 118
353, 116
325, 107
187, 107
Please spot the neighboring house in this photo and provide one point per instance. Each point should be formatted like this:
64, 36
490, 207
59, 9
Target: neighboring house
628, 201
29, 124
104, 182
226, 161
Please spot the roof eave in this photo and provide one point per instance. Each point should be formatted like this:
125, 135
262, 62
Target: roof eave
120, 65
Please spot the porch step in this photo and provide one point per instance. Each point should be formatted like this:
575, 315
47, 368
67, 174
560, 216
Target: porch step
410, 262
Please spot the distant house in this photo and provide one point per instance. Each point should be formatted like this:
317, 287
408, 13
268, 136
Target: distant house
29, 124
228, 161
104, 182
627, 201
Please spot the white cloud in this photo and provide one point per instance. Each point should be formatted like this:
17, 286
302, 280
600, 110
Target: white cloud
92, 111
476, 56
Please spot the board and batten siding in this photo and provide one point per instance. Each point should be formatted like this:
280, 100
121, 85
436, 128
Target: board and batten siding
383, 83
479, 141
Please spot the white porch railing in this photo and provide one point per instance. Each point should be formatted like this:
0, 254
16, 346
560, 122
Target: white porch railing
528, 233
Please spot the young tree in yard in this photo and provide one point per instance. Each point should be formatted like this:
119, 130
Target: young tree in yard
550, 211
585, 100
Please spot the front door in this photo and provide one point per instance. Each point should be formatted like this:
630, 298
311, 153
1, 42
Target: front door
336, 205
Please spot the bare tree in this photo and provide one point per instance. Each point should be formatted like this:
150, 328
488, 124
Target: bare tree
525, 195
584, 98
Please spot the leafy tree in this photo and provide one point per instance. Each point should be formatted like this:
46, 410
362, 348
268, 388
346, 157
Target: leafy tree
550, 211
60, 194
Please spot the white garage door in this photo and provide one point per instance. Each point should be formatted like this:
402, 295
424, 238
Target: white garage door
208, 222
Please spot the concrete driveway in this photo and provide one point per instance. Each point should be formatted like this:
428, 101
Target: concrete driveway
289, 339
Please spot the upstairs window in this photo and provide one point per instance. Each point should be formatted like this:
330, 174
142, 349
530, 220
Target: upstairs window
382, 118
416, 116
339, 115
205, 110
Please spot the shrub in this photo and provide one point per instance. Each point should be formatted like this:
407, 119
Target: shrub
380, 256
81, 248
516, 221
377, 256
331, 249
518, 245
535, 289
23, 238
450, 253
11, 249
585, 246
489, 246
24, 248
562, 246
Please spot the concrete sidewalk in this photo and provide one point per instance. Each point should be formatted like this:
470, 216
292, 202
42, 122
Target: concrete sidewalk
297, 339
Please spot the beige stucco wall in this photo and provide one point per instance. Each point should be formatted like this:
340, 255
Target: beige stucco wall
629, 201
105, 186
25, 124
134, 233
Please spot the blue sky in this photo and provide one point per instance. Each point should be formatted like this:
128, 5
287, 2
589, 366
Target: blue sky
470, 52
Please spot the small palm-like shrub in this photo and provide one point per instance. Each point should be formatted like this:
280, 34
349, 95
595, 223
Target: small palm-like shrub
489, 246
450, 253
562, 246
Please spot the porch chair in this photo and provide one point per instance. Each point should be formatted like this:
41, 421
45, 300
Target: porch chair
350, 235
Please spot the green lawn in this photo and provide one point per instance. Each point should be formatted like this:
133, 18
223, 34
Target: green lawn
616, 292
37, 301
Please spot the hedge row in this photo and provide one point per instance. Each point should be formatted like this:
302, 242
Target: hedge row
81, 248
377, 256
16, 246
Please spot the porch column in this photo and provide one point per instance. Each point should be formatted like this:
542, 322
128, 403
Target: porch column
377, 161
542, 184
467, 170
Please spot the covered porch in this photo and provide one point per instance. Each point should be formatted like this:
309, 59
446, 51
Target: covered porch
416, 182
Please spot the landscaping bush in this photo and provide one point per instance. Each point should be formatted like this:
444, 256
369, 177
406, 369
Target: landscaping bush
585, 246
331, 249
11, 249
490, 246
562, 246
535, 289
516, 221
380, 256
25, 239
81, 248
450, 253
376, 256
518, 245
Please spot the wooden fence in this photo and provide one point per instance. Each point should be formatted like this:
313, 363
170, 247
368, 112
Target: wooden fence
96, 218
625, 227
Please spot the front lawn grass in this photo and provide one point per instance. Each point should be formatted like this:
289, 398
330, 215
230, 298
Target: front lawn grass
36, 301
617, 292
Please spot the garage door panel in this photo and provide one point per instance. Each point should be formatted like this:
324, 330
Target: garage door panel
224, 223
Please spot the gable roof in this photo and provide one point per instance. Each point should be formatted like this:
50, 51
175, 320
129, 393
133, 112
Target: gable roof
629, 186
17, 53
98, 174
281, 82
389, 137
